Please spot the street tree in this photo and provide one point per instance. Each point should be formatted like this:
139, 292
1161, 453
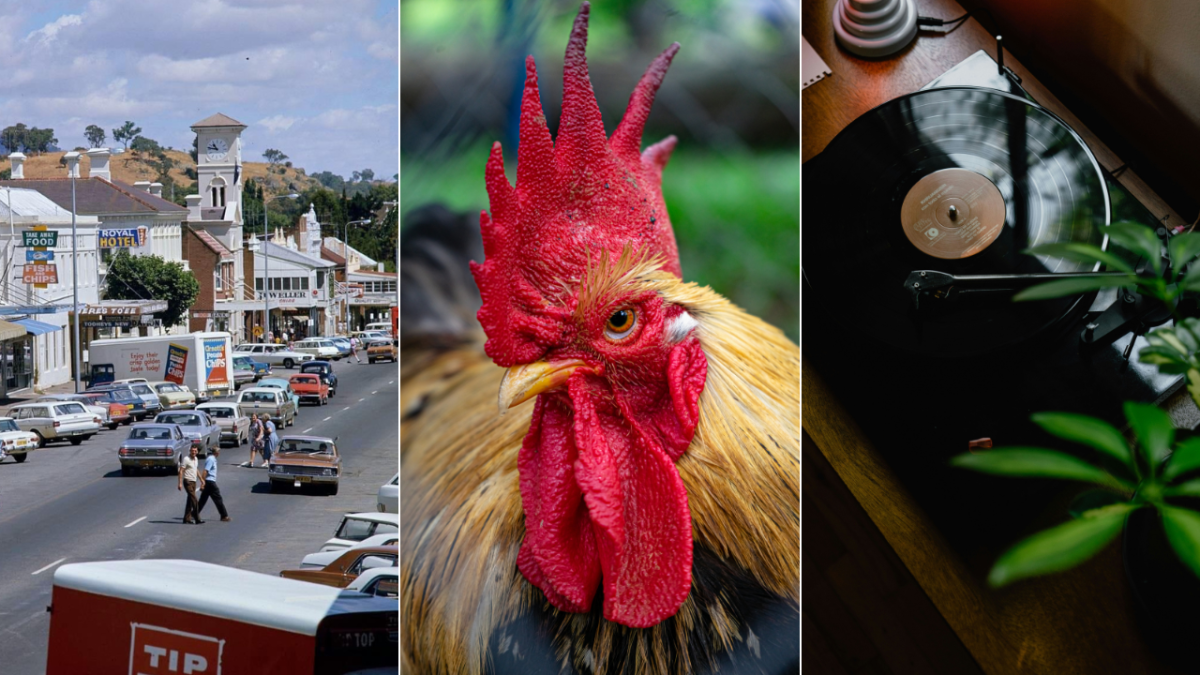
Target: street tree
126, 133
40, 140
95, 135
367, 175
273, 156
143, 277
15, 137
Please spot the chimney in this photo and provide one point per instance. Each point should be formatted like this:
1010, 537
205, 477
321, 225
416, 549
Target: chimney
98, 158
156, 189
72, 164
193, 207
379, 267
143, 185
18, 165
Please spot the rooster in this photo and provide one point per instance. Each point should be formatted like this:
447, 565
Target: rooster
642, 514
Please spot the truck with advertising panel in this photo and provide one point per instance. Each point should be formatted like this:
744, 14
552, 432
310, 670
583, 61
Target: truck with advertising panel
202, 361
179, 617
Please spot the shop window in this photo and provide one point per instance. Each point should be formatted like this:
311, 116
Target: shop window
304, 283
287, 283
258, 284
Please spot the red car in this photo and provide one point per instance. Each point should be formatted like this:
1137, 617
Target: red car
311, 388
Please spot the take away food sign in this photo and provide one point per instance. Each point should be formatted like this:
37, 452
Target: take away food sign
162, 651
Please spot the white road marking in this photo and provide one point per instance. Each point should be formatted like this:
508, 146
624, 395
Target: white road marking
136, 521
327, 418
391, 382
48, 566
361, 400
373, 393
307, 430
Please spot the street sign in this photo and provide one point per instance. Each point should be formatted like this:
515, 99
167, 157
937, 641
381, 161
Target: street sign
38, 256
40, 238
116, 323
40, 273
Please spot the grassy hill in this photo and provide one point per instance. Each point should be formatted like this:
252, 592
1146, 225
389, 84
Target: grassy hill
130, 167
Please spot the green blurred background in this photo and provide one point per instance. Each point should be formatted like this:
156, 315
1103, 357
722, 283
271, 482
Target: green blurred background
732, 97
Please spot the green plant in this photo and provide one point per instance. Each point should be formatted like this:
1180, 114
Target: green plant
1149, 473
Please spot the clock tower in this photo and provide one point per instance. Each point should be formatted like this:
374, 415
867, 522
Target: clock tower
219, 180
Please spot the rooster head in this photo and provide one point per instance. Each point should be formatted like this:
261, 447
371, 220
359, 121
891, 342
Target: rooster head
616, 369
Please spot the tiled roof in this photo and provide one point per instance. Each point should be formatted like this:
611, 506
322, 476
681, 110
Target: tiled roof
216, 246
329, 255
218, 120
95, 196
283, 253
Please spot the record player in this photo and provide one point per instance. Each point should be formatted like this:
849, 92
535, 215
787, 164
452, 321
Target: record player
915, 221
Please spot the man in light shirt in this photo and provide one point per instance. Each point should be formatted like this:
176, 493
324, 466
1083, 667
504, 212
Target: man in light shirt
189, 476
211, 489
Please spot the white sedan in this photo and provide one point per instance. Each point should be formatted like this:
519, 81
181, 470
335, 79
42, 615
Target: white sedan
320, 348
383, 582
388, 499
14, 442
323, 558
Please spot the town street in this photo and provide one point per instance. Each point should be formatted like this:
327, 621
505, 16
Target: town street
69, 504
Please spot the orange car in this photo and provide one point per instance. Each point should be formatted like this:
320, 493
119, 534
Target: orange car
311, 388
348, 566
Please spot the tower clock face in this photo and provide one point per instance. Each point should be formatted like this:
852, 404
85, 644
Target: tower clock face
216, 149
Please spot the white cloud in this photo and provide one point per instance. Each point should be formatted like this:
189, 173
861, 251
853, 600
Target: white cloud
46, 34
277, 123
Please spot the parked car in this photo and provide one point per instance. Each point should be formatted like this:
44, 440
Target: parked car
173, 396
260, 369
348, 566
275, 355
325, 370
98, 408
281, 383
66, 421
196, 426
118, 399
365, 337
381, 350
356, 527
322, 558
243, 375
301, 460
388, 498
14, 442
235, 427
383, 582
320, 348
274, 402
142, 390
310, 388
151, 445
342, 343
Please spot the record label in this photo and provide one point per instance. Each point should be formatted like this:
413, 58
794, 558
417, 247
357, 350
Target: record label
953, 214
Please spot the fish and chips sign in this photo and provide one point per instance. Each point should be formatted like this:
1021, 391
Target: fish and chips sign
123, 237
39, 270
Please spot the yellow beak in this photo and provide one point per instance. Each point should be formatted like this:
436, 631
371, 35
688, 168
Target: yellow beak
523, 382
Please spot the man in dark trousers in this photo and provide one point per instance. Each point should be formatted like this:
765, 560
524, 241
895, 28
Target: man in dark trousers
189, 474
211, 489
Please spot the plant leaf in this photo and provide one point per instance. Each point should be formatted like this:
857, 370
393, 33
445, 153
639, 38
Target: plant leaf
1183, 248
1035, 463
1189, 488
1086, 253
1185, 338
1185, 458
1061, 547
1139, 239
1160, 354
1089, 431
1073, 286
1090, 500
1191, 280
1193, 384
1154, 431
1183, 531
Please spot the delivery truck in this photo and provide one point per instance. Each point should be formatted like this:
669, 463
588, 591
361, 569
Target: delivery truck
202, 361
160, 617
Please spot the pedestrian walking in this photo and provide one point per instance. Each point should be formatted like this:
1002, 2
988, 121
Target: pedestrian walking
256, 439
354, 349
271, 441
188, 477
211, 489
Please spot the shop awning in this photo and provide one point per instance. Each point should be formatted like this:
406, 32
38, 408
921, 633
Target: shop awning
36, 327
10, 330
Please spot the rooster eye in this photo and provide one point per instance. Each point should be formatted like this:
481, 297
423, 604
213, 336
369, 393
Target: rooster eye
620, 324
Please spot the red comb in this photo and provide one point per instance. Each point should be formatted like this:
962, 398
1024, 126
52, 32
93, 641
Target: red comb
580, 193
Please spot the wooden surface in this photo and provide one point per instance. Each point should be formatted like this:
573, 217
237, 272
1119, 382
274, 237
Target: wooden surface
1078, 622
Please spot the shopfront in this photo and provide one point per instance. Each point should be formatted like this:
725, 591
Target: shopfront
16, 352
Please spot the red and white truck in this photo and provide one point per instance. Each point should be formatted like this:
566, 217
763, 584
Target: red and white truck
184, 617
202, 361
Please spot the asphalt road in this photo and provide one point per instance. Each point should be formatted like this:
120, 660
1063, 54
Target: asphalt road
69, 504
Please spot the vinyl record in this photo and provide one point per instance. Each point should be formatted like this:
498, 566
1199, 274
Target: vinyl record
959, 180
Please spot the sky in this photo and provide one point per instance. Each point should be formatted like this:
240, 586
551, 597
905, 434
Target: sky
315, 79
